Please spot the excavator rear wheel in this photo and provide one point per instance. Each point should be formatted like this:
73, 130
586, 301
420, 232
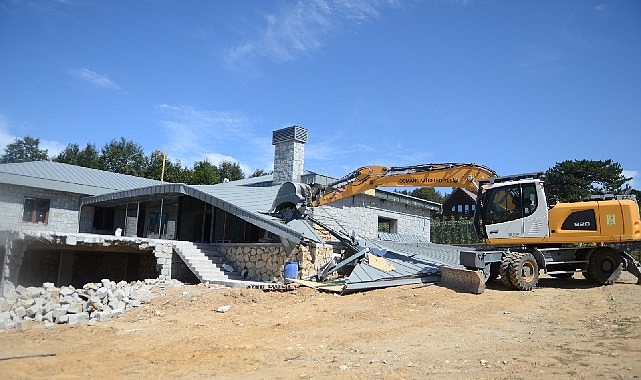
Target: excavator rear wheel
504, 270
605, 266
524, 271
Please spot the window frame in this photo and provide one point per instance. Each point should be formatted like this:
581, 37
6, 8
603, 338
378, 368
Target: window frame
37, 212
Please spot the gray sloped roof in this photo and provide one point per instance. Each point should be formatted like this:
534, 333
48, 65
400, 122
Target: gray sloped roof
249, 203
69, 178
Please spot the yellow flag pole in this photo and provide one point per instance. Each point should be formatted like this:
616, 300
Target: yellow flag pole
164, 158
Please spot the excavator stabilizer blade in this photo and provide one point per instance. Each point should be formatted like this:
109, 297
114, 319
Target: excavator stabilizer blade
463, 280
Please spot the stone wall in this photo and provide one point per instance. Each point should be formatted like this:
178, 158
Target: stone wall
266, 261
361, 212
110, 255
63, 209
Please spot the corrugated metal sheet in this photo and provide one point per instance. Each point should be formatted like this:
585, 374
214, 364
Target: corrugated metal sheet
438, 253
403, 264
69, 178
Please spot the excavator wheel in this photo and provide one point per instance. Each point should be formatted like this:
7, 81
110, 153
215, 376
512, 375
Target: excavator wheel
524, 271
504, 270
605, 266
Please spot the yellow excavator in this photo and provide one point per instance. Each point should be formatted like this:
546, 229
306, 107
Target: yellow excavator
512, 214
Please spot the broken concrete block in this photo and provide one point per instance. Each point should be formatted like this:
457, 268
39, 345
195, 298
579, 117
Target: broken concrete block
20, 312
66, 291
24, 324
74, 319
4, 305
142, 295
9, 291
58, 312
101, 315
62, 319
5, 316
75, 308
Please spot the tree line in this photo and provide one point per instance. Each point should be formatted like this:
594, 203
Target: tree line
126, 157
567, 181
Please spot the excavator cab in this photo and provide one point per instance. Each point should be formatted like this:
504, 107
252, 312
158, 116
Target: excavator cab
511, 207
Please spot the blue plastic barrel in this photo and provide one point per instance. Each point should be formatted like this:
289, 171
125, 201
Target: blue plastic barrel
291, 270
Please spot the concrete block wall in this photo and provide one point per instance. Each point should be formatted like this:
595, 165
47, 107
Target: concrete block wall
63, 209
361, 212
266, 261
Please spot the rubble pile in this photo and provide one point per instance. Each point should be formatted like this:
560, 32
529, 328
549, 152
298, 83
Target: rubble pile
22, 306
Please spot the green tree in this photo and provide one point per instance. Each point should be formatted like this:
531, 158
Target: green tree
23, 150
87, 157
174, 172
427, 193
124, 157
571, 181
230, 171
258, 173
204, 173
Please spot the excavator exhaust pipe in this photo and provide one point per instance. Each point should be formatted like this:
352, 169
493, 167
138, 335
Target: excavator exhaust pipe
291, 200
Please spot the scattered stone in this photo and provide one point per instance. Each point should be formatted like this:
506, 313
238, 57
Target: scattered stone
223, 309
21, 307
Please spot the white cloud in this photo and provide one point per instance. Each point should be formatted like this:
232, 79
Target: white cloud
302, 27
94, 78
5, 137
631, 174
53, 147
195, 134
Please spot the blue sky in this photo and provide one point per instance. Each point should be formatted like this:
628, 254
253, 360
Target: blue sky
514, 85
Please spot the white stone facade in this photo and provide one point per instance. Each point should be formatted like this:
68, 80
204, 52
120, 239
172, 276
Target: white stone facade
63, 209
361, 213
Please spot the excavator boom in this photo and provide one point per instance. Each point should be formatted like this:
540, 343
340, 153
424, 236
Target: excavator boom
295, 196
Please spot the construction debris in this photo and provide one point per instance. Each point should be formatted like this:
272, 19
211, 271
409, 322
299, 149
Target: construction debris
21, 306
381, 264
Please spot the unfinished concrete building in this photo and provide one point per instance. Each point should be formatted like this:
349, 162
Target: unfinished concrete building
70, 225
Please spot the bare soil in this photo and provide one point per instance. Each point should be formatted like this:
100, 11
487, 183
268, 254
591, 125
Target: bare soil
562, 329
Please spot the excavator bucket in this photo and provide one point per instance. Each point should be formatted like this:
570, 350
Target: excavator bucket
291, 200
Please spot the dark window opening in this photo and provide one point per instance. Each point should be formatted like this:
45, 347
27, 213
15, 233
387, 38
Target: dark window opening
103, 218
387, 225
36, 210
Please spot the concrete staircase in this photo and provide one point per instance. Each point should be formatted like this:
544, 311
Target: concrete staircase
205, 262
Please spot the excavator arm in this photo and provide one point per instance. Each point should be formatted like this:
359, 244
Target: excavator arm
295, 195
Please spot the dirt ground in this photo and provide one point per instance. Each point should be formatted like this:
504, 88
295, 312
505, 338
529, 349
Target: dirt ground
562, 329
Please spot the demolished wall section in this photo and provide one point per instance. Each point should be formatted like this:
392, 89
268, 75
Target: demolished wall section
361, 212
266, 261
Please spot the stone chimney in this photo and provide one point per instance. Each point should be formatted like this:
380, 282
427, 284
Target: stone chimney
289, 153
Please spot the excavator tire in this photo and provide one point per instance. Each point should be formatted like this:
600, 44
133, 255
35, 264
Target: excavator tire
524, 271
504, 270
605, 266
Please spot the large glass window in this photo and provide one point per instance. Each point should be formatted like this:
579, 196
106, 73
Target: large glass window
504, 204
35, 210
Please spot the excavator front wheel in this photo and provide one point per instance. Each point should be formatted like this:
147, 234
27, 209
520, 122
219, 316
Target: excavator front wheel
524, 271
605, 266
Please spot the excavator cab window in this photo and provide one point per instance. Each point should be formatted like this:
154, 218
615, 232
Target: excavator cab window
510, 202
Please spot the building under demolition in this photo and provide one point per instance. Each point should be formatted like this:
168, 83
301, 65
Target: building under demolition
70, 225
